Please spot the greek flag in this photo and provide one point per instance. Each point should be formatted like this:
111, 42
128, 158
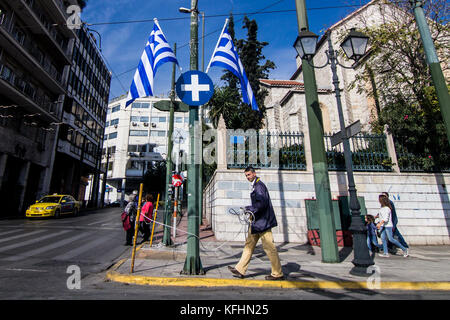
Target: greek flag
157, 51
225, 56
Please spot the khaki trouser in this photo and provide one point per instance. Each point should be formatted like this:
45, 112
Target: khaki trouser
268, 246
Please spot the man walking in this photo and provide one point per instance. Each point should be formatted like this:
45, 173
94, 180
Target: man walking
260, 228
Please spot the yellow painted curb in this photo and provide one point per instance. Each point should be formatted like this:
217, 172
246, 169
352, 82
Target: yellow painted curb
115, 276
285, 284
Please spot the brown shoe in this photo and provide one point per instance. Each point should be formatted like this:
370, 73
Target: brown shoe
235, 272
274, 278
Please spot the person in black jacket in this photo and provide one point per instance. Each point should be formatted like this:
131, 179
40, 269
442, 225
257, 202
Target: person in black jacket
260, 228
131, 211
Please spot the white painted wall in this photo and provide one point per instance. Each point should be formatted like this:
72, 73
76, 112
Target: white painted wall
421, 200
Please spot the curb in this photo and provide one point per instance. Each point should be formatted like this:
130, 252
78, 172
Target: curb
115, 276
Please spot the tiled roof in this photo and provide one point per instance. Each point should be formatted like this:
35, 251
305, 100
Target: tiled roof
282, 83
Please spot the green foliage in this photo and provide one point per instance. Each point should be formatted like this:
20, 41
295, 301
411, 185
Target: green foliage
419, 132
227, 99
155, 178
401, 84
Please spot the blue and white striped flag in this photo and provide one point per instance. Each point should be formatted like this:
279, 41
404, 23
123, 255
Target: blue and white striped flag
157, 51
225, 56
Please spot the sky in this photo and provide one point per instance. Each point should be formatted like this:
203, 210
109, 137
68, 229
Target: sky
123, 38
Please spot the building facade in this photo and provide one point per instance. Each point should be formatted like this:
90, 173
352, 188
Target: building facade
80, 139
136, 136
37, 52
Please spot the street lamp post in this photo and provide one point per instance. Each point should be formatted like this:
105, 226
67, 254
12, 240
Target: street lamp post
354, 46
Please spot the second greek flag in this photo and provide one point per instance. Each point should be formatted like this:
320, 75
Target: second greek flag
225, 56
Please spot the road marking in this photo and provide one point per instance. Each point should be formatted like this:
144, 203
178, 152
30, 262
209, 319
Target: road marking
28, 270
97, 222
22, 235
12, 231
23, 255
80, 250
35, 241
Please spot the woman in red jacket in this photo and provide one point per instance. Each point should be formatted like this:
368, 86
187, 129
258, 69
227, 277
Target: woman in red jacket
146, 215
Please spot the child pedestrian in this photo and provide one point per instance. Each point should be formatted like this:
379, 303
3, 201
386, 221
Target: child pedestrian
372, 234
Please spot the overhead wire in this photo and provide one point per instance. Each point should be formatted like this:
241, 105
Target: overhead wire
261, 11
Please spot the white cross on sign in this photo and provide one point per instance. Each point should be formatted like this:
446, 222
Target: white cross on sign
195, 88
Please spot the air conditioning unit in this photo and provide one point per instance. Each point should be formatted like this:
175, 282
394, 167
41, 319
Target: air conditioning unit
134, 124
153, 125
145, 124
115, 126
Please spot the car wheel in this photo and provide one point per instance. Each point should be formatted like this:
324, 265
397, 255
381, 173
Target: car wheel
57, 214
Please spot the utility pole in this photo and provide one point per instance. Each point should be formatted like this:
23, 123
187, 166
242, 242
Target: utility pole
433, 61
105, 176
193, 265
168, 212
200, 185
324, 205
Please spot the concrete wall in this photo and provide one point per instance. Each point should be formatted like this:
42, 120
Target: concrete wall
422, 202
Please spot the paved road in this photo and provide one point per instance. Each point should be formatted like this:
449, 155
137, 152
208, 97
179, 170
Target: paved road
39, 259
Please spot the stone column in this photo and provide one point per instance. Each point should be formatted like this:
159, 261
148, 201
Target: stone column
221, 147
391, 149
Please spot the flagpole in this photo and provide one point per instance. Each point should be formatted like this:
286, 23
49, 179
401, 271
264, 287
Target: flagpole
218, 41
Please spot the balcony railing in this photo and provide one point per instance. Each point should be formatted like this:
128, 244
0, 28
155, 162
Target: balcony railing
22, 85
30, 46
48, 25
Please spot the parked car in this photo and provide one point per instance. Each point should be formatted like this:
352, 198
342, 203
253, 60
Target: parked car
54, 205
114, 204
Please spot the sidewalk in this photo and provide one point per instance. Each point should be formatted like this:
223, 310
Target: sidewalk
427, 267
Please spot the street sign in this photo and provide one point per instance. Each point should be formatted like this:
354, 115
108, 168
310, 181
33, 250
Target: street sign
164, 105
194, 88
351, 130
177, 180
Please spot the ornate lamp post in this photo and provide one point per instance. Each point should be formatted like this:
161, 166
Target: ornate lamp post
354, 46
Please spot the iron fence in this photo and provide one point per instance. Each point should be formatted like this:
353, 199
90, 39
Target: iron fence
263, 149
369, 153
415, 161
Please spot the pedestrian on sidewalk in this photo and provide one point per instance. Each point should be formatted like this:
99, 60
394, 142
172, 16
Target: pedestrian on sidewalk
385, 226
131, 212
395, 230
260, 228
372, 240
145, 217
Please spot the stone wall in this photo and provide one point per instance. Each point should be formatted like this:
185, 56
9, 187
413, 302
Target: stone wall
422, 202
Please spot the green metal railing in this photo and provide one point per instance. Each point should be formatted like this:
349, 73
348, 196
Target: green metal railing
266, 150
369, 153
413, 161
286, 151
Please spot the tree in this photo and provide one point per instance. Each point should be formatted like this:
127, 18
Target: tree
227, 99
401, 81
82, 3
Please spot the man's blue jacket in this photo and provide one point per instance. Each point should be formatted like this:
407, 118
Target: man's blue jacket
262, 208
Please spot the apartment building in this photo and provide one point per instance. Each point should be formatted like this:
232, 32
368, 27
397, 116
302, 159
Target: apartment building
80, 140
135, 137
52, 110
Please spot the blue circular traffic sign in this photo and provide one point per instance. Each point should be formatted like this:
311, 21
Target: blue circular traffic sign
194, 88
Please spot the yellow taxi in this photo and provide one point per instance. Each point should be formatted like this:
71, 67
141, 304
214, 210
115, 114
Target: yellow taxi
54, 206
